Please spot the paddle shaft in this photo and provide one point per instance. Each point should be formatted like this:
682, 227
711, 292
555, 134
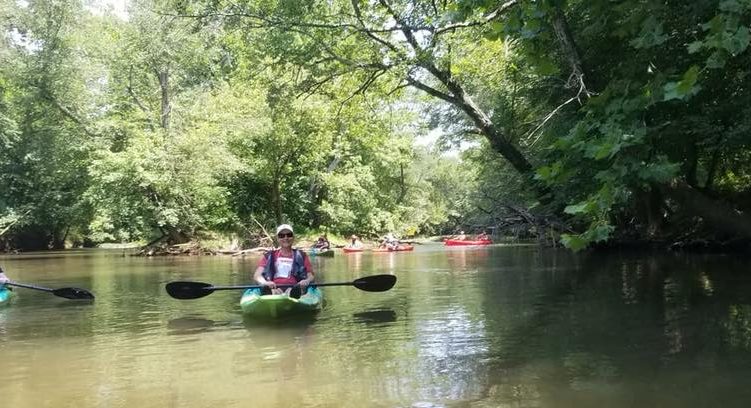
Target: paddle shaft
27, 286
195, 290
312, 285
68, 293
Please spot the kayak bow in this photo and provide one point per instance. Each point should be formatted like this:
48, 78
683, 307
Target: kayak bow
6, 295
254, 304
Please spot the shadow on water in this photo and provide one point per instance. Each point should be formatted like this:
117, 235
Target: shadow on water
75, 303
291, 322
375, 316
189, 325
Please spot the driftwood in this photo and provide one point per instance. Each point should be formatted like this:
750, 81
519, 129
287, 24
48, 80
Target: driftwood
189, 248
250, 250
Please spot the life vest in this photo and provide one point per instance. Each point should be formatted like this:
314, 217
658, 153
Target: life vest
298, 265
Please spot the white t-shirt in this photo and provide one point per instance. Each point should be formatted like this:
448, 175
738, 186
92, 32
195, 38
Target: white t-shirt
283, 267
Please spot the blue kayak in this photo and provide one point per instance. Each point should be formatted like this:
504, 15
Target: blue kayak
276, 306
5, 295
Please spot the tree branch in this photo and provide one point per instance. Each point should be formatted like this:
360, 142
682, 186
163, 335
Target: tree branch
486, 19
67, 112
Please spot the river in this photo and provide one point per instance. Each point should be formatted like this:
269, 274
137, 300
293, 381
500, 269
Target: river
498, 326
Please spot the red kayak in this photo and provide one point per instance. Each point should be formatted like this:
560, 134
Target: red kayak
350, 250
398, 249
456, 242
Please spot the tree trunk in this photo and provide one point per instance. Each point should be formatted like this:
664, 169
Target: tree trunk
276, 200
650, 206
402, 184
712, 170
495, 136
692, 163
569, 48
166, 107
457, 96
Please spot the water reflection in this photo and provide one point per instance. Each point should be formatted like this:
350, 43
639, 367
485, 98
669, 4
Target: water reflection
291, 323
474, 327
354, 261
375, 316
466, 259
189, 325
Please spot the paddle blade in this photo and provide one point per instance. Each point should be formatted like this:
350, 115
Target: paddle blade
375, 283
73, 293
189, 290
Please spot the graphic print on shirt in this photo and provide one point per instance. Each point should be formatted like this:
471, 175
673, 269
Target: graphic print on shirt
283, 267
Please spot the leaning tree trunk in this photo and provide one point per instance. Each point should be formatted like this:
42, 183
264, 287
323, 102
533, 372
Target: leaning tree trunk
569, 49
497, 136
456, 95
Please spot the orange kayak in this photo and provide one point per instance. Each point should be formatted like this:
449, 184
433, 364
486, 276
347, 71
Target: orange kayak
456, 242
398, 249
350, 250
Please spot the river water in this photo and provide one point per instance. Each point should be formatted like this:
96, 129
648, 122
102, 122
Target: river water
500, 326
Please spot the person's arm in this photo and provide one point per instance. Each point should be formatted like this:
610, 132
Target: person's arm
258, 275
3, 278
309, 269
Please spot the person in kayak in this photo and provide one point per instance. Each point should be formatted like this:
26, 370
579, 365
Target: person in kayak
3, 277
461, 237
355, 242
322, 244
389, 242
483, 236
284, 266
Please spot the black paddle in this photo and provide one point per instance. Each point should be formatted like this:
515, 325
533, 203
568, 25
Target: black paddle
68, 293
195, 290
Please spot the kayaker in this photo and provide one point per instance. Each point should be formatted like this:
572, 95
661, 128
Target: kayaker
355, 242
284, 266
322, 243
483, 236
461, 237
390, 241
3, 278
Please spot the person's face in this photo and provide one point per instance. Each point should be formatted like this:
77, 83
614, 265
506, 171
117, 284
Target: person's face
286, 238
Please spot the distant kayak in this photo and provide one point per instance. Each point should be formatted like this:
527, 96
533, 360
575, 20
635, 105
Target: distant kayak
321, 252
254, 304
5, 295
397, 249
351, 250
456, 242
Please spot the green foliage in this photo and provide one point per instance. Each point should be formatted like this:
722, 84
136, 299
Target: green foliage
262, 112
644, 128
159, 186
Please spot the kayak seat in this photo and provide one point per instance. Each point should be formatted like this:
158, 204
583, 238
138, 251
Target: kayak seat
295, 292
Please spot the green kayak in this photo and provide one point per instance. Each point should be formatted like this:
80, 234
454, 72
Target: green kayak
5, 295
275, 306
321, 252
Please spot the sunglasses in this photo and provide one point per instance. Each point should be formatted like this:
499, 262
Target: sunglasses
287, 235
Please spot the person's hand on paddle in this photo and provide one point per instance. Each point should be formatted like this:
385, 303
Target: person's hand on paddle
303, 284
272, 287
270, 284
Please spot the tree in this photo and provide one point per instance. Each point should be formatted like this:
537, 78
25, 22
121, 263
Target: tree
47, 139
